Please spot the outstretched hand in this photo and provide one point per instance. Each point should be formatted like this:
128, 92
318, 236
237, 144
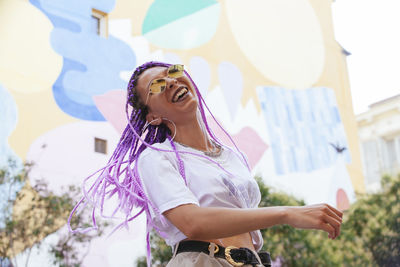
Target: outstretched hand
319, 216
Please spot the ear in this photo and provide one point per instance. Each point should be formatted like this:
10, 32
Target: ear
153, 119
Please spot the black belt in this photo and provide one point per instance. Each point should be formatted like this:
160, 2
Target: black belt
235, 256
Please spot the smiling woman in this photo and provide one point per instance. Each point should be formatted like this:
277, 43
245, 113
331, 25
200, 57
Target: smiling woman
197, 192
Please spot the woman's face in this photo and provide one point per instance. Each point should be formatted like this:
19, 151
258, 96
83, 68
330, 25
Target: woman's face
166, 104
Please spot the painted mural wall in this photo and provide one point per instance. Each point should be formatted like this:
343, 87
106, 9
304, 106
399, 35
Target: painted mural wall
271, 72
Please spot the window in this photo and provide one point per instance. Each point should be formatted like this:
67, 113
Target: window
99, 22
392, 154
371, 161
100, 145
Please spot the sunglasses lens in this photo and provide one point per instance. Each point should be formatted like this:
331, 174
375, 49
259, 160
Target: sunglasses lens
175, 71
157, 86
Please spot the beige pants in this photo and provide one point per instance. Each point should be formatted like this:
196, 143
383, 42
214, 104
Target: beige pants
199, 259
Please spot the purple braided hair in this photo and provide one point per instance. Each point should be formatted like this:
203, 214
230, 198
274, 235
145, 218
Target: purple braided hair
121, 177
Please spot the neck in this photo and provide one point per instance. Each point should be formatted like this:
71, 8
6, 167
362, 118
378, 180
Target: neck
191, 134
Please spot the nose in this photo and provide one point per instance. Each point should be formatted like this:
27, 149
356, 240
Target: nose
171, 82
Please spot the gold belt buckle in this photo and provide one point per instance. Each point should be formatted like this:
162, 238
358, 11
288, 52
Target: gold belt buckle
216, 248
228, 257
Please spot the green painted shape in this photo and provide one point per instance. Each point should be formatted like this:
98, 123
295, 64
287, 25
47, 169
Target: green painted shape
188, 32
162, 12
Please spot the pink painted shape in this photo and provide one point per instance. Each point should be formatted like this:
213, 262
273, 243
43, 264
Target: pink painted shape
342, 201
251, 143
247, 140
112, 107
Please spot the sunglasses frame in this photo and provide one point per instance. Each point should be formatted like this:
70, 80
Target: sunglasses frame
177, 67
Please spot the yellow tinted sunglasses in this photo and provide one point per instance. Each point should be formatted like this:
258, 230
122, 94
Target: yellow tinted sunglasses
158, 85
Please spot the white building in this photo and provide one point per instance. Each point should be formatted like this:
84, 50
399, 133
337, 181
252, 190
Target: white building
379, 132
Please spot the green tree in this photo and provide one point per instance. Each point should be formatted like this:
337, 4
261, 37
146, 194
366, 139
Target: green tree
370, 234
34, 213
374, 221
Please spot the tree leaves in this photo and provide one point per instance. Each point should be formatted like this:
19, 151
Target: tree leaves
36, 213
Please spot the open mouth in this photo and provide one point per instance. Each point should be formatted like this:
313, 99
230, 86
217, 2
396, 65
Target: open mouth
180, 94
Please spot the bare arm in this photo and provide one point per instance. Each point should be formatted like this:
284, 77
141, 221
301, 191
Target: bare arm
204, 223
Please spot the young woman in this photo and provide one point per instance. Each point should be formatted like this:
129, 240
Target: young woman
197, 193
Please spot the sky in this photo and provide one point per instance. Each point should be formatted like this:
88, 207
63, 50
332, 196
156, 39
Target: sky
370, 31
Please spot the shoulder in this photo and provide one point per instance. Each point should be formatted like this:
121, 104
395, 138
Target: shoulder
156, 156
154, 165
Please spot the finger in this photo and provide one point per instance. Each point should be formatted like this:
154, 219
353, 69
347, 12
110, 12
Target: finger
336, 211
337, 233
327, 228
327, 209
333, 223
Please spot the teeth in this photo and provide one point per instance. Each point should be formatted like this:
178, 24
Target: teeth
181, 92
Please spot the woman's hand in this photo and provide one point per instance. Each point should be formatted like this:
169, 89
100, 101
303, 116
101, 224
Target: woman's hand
320, 216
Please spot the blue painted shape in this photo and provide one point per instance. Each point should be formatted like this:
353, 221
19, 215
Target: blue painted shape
8, 115
301, 126
92, 64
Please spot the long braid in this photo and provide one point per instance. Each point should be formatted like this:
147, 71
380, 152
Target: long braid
181, 166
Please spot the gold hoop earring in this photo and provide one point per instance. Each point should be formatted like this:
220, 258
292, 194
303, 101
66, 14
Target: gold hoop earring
148, 123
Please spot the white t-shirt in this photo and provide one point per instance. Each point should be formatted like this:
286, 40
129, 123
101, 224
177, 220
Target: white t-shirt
207, 185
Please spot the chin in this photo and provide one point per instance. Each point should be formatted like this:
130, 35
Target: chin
191, 106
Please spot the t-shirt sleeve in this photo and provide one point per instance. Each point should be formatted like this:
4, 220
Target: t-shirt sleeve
162, 182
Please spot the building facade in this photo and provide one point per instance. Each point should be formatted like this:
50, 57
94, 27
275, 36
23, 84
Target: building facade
379, 131
271, 72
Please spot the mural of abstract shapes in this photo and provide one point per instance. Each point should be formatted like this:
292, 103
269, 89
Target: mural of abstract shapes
62, 163
8, 121
302, 125
282, 39
181, 24
231, 81
246, 139
89, 69
112, 106
201, 74
27, 62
